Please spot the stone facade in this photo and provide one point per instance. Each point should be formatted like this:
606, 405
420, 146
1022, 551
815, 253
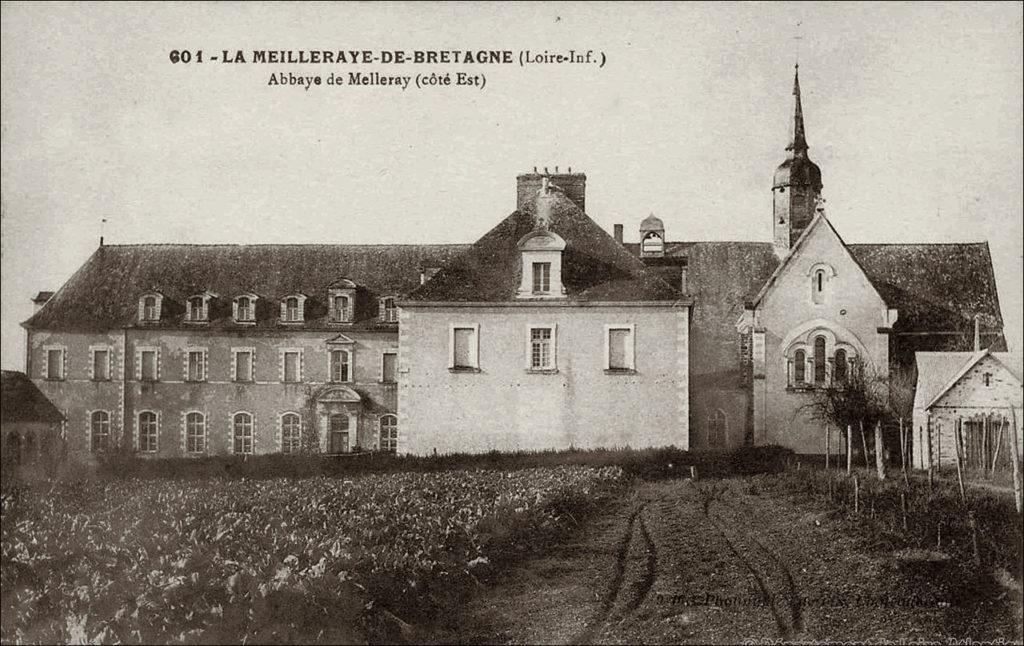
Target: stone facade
504, 405
217, 395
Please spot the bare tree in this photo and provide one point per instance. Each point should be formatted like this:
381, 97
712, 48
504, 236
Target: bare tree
859, 400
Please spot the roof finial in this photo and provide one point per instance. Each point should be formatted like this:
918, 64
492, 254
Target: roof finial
798, 145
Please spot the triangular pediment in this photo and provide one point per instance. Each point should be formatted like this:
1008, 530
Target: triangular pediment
340, 339
819, 228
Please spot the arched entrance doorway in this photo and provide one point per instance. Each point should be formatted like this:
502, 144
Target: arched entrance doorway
338, 409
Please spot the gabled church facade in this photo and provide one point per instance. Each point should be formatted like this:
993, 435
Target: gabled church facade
774, 321
545, 333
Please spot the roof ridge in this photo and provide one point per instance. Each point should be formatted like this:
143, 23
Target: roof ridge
288, 244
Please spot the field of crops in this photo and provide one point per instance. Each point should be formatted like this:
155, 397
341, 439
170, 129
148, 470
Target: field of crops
270, 560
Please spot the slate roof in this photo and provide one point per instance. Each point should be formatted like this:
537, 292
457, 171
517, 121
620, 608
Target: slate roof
594, 266
937, 287
21, 401
104, 292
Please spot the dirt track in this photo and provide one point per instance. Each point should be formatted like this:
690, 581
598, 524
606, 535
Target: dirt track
656, 569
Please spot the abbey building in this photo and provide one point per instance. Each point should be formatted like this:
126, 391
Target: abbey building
547, 332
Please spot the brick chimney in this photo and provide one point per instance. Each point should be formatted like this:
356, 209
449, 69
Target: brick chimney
618, 233
574, 185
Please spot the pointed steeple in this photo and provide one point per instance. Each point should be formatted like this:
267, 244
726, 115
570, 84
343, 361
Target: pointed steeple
798, 144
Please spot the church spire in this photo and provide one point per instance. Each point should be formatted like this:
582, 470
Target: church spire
798, 144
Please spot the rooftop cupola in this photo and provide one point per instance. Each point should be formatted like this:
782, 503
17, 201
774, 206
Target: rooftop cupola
652, 237
797, 183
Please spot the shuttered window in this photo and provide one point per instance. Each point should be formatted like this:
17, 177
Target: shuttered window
463, 353
619, 349
148, 365
100, 365
243, 366
388, 367
291, 367
54, 364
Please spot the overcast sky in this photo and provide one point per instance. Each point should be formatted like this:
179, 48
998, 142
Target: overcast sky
913, 112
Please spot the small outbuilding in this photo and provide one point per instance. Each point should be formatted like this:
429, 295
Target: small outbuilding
29, 422
981, 393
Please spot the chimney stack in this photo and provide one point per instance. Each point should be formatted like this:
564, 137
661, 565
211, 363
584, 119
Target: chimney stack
618, 233
573, 185
977, 332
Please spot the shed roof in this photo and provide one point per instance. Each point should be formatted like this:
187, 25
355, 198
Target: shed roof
22, 401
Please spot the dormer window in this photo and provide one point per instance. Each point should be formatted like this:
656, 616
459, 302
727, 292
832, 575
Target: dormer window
341, 299
198, 308
541, 252
293, 309
149, 307
541, 277
245, 309
388, 310
340, 309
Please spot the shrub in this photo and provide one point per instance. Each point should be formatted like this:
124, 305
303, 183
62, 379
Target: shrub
749, 460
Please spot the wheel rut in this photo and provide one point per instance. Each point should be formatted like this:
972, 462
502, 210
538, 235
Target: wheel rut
636, 528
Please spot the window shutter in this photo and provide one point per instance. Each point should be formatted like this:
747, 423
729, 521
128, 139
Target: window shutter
46, 363
463, 352
617, 356
234, 366
284, 309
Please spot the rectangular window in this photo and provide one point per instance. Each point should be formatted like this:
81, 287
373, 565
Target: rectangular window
389, 367
340, 368
101, 365
339, 309
541, 277
148, 365
620, 348
55, 364
291, 367
196, 365
243, 365
464, 348
542, 355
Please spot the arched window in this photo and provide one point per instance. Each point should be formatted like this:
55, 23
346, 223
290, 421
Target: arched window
839, 368
242, 424
820, 275
195, 433
819, 359
800, 367
99, 427
653, 243
291, 426
148, 432
389, 433
292, 309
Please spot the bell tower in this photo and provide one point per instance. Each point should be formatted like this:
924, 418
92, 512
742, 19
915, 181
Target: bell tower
797, 184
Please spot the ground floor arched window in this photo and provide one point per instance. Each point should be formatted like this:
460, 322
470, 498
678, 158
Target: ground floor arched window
291, 427
389, 433
242, 427
99, 429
